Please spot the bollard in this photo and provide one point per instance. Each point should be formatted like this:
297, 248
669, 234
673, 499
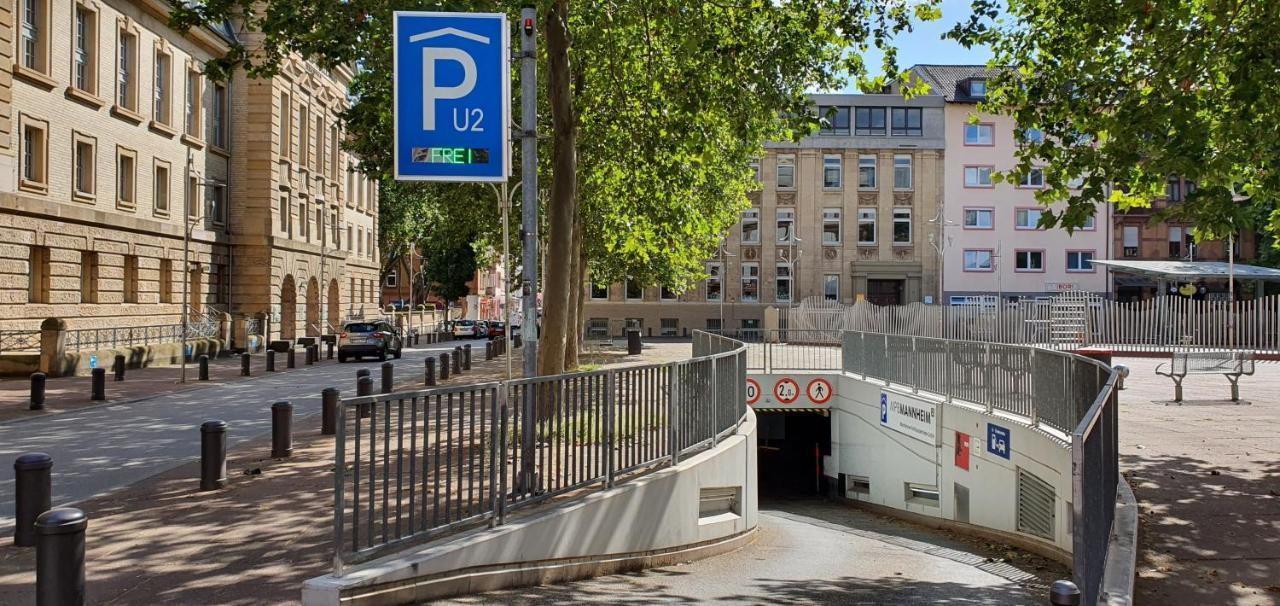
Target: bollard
60, 557
117, 367
38, 380
466, 357
213, 455
271, 360
308, 355
431, 372
330, 344
517, 342
364, 386
444, 366
361, 374
1064, 593
292, 360
30, 495
457, 360
488, 350
329, 411
245, 361
388, 376
633, 342
204, 367
281, 429
98, 384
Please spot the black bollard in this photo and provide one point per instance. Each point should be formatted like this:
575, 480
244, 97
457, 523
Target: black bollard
364, 386
488, 350
431, 371
98, 384
292, 360
31, 490
444, 366
281, 429
330, 344
362, 374
118, 367
38, 380
1064, 593
457, 360
466, 357
271, 360
245, 361
517, 341
204, 367
213, 455
329, 397
60, 557
388, 377
633, 342
309, 355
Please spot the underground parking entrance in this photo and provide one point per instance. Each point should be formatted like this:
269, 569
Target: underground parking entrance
792, 444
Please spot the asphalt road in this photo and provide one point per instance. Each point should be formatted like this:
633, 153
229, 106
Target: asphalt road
100, 449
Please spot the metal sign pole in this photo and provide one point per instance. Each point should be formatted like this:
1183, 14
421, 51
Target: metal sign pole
529, 181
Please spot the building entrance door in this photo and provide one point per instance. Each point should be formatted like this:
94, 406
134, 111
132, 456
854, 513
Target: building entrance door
885, 292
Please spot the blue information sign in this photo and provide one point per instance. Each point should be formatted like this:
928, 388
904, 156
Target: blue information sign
452, 96
999, 442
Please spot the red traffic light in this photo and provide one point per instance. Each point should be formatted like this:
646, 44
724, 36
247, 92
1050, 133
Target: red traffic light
528, 26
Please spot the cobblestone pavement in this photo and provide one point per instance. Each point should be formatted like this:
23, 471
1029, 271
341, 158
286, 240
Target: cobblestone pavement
1206, 474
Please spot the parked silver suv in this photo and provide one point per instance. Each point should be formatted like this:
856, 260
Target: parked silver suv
360, 338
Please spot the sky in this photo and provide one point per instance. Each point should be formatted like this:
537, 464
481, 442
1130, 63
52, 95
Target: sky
924, 45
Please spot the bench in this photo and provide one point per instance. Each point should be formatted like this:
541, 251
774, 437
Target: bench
1232, 365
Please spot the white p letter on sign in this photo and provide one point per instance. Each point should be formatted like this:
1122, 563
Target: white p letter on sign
431, 92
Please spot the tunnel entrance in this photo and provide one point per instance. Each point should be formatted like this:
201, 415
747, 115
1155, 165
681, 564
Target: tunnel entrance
791, 446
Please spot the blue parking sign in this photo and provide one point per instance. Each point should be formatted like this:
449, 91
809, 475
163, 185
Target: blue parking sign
999, 442
452, 96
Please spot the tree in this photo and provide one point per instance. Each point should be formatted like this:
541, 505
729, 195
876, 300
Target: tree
446, 271
1130, 93
654, 109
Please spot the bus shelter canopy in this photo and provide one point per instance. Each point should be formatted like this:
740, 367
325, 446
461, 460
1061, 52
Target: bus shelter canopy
1186, 271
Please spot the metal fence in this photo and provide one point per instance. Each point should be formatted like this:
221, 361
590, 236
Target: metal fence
19, 340
88, 339
786, 350
1073, 395
1066, 321
411, 466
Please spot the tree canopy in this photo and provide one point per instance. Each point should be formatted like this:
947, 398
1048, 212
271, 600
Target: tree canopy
1131, 93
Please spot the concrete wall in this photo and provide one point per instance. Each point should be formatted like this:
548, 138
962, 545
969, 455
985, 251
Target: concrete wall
890, 460
75, 363
651, 521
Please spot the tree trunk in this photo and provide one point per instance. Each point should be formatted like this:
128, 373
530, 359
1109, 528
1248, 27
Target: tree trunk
560, 206
573, 336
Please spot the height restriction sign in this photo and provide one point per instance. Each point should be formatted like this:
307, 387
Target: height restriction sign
786, 390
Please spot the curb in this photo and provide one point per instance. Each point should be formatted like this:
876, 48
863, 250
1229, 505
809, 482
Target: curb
1122, 552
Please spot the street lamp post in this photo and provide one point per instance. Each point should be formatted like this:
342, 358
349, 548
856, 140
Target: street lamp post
724, 252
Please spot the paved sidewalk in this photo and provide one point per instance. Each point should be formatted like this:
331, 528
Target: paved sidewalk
1207, 478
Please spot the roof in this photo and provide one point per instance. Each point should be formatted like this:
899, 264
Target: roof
1191, 270
951, 81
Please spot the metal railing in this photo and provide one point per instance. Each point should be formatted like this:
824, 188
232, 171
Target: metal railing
88, 339
253, 327
1073, 395
783, 350
412, 466
19, 340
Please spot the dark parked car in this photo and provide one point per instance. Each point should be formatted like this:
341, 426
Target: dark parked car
368, 338
497, 329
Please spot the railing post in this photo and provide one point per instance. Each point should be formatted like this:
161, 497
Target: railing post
673, 373
339, 484
715, 404
1031, 389
987, 377
915, 367
948, 361
610, 400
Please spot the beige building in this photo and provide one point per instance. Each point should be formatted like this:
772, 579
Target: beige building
847, 214
113, 145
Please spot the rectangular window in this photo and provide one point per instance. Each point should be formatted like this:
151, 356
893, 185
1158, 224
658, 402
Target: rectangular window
130, 279
166, 281
160, 187
906, 122
333, 157
786, 223
320, 147
286, 126
786, 171
781, 281
359, 232
160, 95
831, 287
751, 227
195, 90
832, 171
220, 131
750, 281
1175, 242
85, 50
902, 226
126, 178
34, 155
285, 221
866, 172
1034, 178
633, 290
1028, 260
715, 284
979, 218
1080, 260
1032, 136
831, 225
978, 89
1090, 222
670, 327
1173, 189
755, 173
85, 164
977, 260
713, 324
1027, 218
126, 70
88, 277
834, 120
979, 134
978, 176
868, 121
218, 206
667, 294
392, 279
38, 275
1129, 240
599, 292
598, 328
193, 197
902, 173
866, 226
304, 134
35, 35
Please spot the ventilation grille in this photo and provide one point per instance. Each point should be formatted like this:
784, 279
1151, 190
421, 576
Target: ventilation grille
1035, 505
